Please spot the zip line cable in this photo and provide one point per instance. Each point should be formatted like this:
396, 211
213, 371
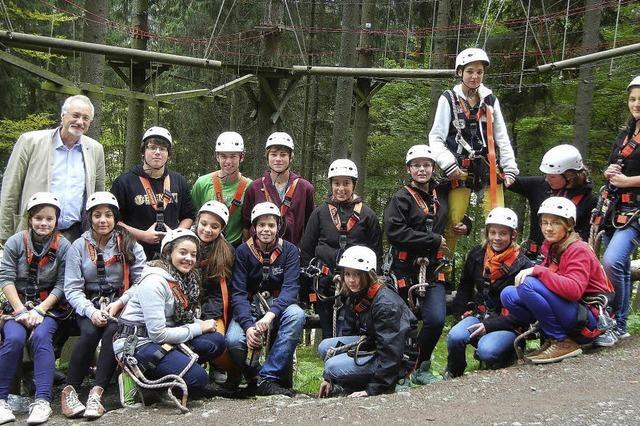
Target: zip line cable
213, 31
486, 14
615, 37
524, 48
6, 15
295, 33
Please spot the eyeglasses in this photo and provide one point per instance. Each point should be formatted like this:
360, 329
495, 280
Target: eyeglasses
157, 148
77, 115
553, 224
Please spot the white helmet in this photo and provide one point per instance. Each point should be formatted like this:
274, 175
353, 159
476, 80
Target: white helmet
343, 167
502, 216
558, 206
561, 158
263, 209
358, 257
634, 83
420, 151
100, 198
217, 208
174, 234
157, 132
280, 138
229, 142
471, 54
42, 198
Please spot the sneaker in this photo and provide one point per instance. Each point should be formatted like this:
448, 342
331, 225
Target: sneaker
621, 333
39, 412
606, 339
423, 375
557, 351
216, 375
94, 409
537, 352
71, 405
128, 390
6, 415
268, 388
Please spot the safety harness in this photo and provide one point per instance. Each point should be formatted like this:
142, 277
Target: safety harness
495, 267
265, 259
285, 205
237, 197
31, 291
159, 204
106, 292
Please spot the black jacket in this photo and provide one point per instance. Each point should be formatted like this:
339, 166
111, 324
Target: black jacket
535, 189
630, 165
137, 211
212, 299
389, 326
321, 238
472, 288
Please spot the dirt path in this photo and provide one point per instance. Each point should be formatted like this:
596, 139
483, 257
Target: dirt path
600, 387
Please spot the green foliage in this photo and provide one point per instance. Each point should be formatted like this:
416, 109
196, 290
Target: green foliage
10, 130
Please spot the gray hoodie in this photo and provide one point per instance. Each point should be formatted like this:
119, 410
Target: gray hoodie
81, 274
152, 304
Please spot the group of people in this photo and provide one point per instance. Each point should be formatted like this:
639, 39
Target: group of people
157, 274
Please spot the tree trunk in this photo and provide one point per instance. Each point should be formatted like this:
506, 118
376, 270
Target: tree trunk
439, 58
92, 65
590, 39
135, 108
361, 119
308, 140
344, 86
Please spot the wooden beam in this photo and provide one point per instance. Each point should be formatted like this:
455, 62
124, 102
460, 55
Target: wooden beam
249, 78
293, 84
374, 89
265, 87
84, 88
372, 72
186, 94
34, 69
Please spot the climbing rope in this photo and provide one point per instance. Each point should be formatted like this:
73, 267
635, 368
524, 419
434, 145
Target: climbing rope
615, 37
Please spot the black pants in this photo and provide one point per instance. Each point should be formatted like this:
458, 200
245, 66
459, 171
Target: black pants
84, 350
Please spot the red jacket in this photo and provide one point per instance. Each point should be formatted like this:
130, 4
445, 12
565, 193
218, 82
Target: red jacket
578, 273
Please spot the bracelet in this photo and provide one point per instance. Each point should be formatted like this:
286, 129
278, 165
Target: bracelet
40, 312
20, 312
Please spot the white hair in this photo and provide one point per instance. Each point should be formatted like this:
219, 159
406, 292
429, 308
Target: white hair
82, 98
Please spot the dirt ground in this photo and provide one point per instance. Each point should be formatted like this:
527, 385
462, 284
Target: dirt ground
599, 387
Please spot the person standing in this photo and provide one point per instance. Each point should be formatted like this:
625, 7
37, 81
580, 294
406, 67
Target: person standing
153, 199
62, 161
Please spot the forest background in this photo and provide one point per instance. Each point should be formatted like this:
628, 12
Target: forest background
585, 106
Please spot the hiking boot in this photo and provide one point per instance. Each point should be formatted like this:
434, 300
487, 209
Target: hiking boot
536, 352
94, 409
6, 415
267, 388
128, 390
606, 339
423, 375
39, 412
71, 405
557, 351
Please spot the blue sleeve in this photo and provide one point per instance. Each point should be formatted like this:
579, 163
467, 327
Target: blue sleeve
290, 284
239, 294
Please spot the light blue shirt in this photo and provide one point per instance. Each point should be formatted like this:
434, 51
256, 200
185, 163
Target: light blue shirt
68, 181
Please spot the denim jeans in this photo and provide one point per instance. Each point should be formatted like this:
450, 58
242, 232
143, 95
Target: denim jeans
492, 348
433, 308
207, 346
617, 264
532, 301
342, 368
288, 331
41, 345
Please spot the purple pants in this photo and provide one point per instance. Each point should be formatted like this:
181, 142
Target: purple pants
40, 341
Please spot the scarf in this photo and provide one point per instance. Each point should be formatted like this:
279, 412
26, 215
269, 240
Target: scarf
188, 284
494, 263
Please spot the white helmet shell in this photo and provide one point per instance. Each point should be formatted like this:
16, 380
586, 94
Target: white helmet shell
100, 198
42, 198
174, 234
158, 132
558, 206
358, 257
217, 208
561, 158
263, 209
420, 151
229, 142
471, 54
343, 167
634, 83
502, 216
281, 139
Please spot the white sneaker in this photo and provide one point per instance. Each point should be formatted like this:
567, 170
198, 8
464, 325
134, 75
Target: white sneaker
39, 412
6, 415
607, 339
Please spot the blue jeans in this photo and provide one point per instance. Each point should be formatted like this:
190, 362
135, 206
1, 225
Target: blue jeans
40, 341
617, 264
532, 301
433, 308
207, 346
289, 329
342, 368
492, 348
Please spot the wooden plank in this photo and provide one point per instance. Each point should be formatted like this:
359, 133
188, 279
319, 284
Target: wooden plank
34, 69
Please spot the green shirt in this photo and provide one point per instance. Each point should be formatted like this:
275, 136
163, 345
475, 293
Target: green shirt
202, 191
